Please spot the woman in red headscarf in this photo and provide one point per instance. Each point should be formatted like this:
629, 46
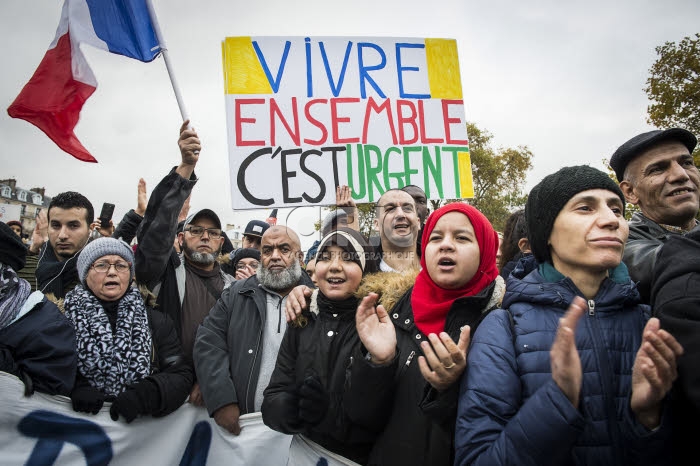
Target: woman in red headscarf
456, 287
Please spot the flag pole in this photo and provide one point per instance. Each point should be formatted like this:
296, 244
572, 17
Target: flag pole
168, 66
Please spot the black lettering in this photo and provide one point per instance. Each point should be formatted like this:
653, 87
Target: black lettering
240, 179
321, 184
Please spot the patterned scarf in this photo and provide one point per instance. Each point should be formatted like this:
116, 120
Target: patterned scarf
111, 362
13, 293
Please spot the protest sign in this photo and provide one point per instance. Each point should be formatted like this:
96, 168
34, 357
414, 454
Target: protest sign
306, 114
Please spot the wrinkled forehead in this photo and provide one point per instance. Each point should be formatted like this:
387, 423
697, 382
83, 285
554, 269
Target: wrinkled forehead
280, 235
663, 151
395, 198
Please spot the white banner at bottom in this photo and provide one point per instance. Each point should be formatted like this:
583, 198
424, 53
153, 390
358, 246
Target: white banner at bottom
44, 430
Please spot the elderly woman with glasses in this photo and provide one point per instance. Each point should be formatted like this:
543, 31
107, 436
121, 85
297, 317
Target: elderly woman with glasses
127, 353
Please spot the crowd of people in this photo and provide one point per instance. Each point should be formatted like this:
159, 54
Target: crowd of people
570, 338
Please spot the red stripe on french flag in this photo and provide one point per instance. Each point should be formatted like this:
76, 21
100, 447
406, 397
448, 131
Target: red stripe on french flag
52, 100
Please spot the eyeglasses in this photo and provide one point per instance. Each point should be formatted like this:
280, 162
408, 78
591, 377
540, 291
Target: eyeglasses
214, 233
103, 266
252, 265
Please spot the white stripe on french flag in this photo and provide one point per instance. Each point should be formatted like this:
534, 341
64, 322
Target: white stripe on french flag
54, 96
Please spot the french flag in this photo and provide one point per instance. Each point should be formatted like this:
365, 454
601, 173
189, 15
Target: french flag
54, 96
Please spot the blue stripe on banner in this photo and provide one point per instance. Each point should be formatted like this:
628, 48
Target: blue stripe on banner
126, 27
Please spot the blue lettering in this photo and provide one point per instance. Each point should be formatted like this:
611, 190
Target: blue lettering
335, 88
364, 75
52, 430
274, 83
400, 69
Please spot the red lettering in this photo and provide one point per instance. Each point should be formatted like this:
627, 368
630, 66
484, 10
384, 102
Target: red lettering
240, 120
275, 110
449, 121
335, 119
315, 122
424, 139
384, 107
403, 120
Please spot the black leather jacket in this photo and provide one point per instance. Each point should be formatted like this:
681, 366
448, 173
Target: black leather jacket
643, 244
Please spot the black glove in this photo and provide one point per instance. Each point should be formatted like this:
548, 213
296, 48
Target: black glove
87, 399
127, 404
313, 401
141, 398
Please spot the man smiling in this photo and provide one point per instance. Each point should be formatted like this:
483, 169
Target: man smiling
657, 173
397, 221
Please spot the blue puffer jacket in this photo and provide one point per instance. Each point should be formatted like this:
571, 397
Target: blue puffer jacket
511, 411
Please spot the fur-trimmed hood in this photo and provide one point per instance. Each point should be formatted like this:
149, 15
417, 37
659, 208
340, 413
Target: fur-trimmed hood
390, 286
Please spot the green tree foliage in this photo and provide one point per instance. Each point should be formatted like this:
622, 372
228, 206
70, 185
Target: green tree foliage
499, 176
673, 87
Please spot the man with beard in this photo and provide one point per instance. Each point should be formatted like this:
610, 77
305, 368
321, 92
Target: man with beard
396, 219
243, 331
188, 284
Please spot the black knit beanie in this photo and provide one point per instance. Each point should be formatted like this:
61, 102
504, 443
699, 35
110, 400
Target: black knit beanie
244, 253
12, 250
546, 200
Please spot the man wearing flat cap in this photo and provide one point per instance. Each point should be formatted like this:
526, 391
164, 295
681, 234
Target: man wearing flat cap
657, 173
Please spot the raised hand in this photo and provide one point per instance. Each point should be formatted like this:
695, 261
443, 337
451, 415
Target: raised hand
189, 144
141, 198
564, 357
653, 373
40, 235
444, 361
375, 330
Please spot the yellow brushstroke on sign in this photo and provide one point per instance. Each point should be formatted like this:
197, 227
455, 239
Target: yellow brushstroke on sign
243, 73
443, 68
466, 182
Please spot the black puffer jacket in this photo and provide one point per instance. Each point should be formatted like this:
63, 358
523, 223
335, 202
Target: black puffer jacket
420, 429
327, 348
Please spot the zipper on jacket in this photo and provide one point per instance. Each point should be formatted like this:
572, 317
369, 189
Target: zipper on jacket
252, 367
408, 363
279, 315
591, 307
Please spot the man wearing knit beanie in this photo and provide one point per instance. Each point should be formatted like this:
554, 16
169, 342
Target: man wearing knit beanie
657, 174
546, 200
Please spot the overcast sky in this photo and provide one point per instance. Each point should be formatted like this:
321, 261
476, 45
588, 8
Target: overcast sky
565, 80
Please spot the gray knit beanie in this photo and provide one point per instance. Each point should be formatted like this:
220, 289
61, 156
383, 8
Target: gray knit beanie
103, 247
546, 200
